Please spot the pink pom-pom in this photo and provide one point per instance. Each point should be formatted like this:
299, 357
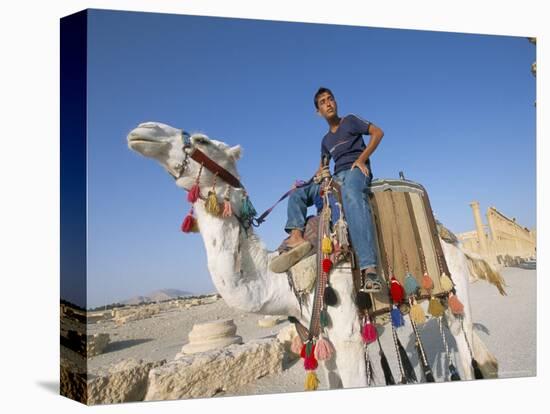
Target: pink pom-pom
456, 305
369, 332
227, 210
323, 349
193, 194
296, 345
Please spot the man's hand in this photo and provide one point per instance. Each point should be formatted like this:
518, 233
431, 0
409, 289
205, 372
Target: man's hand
361, 165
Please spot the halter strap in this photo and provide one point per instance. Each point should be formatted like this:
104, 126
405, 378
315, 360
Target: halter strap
212, 166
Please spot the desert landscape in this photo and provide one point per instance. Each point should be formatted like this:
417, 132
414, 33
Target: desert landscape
135, 352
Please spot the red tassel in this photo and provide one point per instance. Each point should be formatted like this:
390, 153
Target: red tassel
396, 290
456, 305
303, 351
427, 282
188, 222
369, 332
194, 193
327, 265
310, 363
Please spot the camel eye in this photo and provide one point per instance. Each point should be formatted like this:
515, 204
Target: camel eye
201, 140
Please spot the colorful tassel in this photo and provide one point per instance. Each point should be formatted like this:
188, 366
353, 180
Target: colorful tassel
455, 305
369, 332
411, 285
310, 347
310, 363
396, 290
363, 300
435, 308
303, 351
227, 210
446, 283
427, 282
341, 228
396, 317
194, 193
189, 223
329, 296
324, 319
417, 314
312, 382
326, 245
410, 375
327, 265
247, 209
212, 205
323, 349
296, 345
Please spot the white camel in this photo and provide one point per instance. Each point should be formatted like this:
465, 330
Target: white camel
238, 263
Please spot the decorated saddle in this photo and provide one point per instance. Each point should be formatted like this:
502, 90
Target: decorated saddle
407, 243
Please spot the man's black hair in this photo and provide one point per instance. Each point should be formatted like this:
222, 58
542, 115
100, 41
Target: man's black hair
319, 92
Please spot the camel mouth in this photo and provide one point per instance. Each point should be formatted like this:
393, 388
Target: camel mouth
137, 139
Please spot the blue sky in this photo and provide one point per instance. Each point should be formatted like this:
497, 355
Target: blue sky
456, 109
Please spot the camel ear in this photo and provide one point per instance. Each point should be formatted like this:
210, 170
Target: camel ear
235, 152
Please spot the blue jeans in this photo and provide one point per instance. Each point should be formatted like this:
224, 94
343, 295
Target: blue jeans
355, 198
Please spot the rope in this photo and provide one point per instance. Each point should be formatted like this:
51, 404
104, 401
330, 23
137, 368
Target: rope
466, 337
445, 345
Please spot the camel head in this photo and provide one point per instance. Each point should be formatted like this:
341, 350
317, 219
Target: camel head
164, 144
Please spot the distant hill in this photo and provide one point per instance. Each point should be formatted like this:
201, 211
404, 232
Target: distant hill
157, 296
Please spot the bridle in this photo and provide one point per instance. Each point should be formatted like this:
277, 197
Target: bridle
201, 158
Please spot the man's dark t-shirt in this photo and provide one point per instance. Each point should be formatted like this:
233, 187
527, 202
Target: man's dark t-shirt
346, 144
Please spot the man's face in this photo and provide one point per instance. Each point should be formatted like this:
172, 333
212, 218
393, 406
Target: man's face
326, 106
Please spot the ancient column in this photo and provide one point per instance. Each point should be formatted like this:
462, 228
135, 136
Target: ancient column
479, 227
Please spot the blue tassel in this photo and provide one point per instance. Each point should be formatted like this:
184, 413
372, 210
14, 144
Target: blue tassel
411, 285
396, 317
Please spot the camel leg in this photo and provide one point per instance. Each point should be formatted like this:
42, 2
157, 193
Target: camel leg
487, 362
344, 332
463, 352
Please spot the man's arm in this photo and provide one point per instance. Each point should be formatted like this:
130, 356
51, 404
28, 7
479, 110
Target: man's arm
376, 135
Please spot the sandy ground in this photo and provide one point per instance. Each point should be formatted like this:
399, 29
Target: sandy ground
507, 325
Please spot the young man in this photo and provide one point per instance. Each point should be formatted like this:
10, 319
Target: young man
352, 170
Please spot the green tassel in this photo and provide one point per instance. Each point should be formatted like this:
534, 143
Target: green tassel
247, 209
323, 318
309, 347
